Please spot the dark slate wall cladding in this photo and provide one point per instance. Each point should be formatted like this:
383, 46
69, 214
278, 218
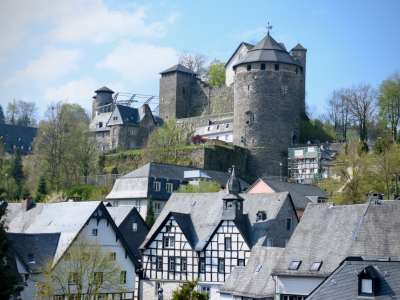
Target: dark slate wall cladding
267, 110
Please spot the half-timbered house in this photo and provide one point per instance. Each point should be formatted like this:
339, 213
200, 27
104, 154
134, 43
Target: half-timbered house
204, 236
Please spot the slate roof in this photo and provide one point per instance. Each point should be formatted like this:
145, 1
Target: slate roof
267, 50
36, 250
20, 137
135, 183
330, 233
254, 280
343, 283
302, 194
129, 115
119, 213
205, 221
104, 89
178, 68
299, 47
66, 218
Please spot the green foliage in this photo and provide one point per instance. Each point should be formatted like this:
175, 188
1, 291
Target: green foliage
201, 187
86, 192
150, 218
187, 291
17, 172
389, 104
7, 278
216, 74
165, 141
41, 191
315, 130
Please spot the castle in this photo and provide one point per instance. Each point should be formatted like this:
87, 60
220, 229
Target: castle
264, 98
259, 108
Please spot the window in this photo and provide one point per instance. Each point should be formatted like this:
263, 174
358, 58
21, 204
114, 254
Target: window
248, 67
297, 70
367, 281
258, 269
202, 265
221, 265
292, 297
157, 186
262, 67
94, 231
169, 187
289, 224
171, 264
316, 265
240, 262
208, 128
294, 265
158, 289
249, 117
227, 125
134, 227
270, 242
159, 263
205, 289
115, 118
98, 277
31, 258
100, 124
122, 277
228, 243
217, 126
183, 264
366, 286
73, 278
168, 228
169, 241
276, 66
261, 215
113, 256
284, 90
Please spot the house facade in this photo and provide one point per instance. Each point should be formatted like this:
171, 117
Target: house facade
204, 236
155, 182
43, 237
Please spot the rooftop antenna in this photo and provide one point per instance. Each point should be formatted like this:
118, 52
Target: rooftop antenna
269, 27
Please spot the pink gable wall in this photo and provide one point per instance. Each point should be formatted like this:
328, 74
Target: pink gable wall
260, 187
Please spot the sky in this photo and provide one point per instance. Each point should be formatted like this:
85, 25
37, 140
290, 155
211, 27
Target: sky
64, 50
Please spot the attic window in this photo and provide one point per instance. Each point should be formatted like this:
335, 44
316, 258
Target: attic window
261, 215
276, 66
367, 282
316, 266
31, 258
115, 118
294, 265
134, 227
249, 67
262, 67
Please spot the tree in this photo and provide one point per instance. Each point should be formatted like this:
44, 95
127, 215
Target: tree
2, 117
389, 104
362, 104
187, 291
194, 62
164, 142
150, 219
88, 267
12, 111
339, 113
315, 130
216, 74
41, 189
7, 278
63, 146
17, 172
201, 187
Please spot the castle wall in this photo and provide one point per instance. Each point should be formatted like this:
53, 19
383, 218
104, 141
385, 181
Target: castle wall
268, 107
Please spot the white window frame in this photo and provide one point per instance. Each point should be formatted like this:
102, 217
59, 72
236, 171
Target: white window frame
169, 187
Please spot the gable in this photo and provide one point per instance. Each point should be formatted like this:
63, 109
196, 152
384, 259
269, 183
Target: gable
259, 187
115, 118
228, 228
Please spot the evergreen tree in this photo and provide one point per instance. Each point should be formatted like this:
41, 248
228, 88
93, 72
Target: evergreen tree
42, 189
8, 280
187, 291
17, 172
2, 117
150, 214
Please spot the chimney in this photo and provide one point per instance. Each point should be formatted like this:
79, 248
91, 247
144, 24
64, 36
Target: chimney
27, 203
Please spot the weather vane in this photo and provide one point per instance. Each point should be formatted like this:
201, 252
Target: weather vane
269, 27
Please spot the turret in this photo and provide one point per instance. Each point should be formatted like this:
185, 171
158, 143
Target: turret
269, 102
102, 101
233, 203
300, 54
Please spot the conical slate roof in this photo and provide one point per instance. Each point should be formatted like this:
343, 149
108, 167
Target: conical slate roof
178, 68
268, 50
104, 89
233, 185
299, 47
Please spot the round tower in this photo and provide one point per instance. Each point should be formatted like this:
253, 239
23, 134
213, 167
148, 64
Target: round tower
269, 103
102, 101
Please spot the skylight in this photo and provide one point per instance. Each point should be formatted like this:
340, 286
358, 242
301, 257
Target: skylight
294, 265
316, 265
258, 269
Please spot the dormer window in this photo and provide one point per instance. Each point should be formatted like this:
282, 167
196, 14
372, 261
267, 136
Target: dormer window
367, 281
249, 67
31, 258
276, 66
157, 186
261, 216
316, 265
262, 67
294, 265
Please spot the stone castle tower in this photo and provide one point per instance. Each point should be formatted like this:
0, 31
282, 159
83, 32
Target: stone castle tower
102, 101
269, 103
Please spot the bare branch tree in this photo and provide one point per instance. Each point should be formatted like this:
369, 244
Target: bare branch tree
194, 62
338, 113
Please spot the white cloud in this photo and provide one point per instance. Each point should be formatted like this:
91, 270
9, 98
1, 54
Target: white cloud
138, 62
52, 64
76, 91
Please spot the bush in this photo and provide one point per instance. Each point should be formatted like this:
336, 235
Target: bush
86, 192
